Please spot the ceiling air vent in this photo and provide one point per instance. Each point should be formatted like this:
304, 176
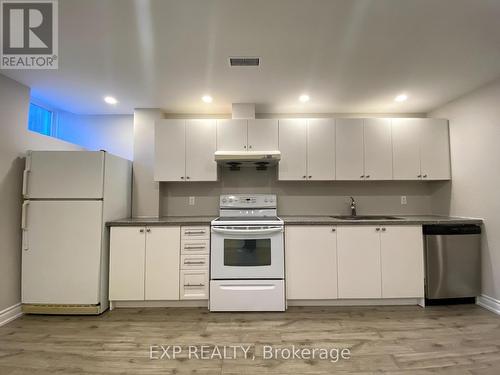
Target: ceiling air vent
244, 61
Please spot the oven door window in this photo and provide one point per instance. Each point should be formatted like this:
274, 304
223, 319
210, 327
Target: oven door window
247, 253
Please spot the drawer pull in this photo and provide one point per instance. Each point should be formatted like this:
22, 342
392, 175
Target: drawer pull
201, 262
194, 247
198, 285
195, 232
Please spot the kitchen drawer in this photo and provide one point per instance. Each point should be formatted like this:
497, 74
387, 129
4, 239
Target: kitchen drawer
247, 295
189, 262
194, 284
190, 246
195, 233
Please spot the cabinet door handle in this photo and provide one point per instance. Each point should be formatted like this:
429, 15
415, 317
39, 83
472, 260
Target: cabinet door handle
304, 176
250, 146
333, 229
425, 176
182, 177
383, 229
362, 176
377, 229
419, 175
245, 147
141, 230
194, 232
310, 176
367, 176
187, 177
194, 284
148, 230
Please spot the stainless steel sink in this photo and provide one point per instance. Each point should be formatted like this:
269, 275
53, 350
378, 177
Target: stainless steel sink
366, 217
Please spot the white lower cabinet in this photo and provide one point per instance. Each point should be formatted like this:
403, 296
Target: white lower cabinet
126, 263
144, 263
162, 259
354, 261
311, 262
380, 261
358, 249
194, 284
195, 247
402, 261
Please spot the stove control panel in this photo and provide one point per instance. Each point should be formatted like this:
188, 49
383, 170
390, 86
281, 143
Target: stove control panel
248, 201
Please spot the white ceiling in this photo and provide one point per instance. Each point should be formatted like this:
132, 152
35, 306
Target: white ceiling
348, 55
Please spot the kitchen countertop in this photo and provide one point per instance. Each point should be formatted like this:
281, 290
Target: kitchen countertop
298, 220
406, 220
161, 221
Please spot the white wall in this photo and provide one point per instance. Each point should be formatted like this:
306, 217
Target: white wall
15, 140
113, 133
146, 192
475, 160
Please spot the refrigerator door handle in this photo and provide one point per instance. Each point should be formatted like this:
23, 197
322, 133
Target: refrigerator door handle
24, 217
26, 171
24, 214
25, 240
25, 182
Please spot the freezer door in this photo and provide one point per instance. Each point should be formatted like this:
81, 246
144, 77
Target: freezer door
61, 256
64, 175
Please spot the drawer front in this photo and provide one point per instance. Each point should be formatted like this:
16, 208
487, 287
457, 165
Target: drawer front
189, 262
189, 246
247, 295
194, 284
195, 233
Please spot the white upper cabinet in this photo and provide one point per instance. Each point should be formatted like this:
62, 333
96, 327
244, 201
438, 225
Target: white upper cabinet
200, 148
435, 150
406, 148
184, 150
349, 149
247, 135
262, 135
293, 147
321, 149
421, 149
170, 150
232, 135
377, 149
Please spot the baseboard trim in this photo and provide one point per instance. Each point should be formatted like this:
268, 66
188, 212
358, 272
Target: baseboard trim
10, 313
356, 302
139, 304
489, 303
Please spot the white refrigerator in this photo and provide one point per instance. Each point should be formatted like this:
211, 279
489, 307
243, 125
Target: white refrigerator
68, 197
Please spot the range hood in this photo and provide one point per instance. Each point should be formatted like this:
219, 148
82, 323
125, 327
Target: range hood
257, 159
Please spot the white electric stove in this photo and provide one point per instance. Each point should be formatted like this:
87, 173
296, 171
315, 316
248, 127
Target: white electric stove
247, 262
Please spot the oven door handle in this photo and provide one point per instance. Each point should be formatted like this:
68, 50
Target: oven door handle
247, 231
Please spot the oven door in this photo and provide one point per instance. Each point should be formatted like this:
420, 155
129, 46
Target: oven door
253, 252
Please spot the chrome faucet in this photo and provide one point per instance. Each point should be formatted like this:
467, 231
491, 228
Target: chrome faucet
353, 207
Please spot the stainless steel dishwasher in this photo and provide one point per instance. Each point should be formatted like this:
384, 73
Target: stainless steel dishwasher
452, 261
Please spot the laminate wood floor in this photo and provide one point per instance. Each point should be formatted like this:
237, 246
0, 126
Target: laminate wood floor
461, 339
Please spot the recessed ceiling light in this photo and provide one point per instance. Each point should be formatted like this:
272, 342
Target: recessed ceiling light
207, 98
110, 100
304, 98
401, 98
